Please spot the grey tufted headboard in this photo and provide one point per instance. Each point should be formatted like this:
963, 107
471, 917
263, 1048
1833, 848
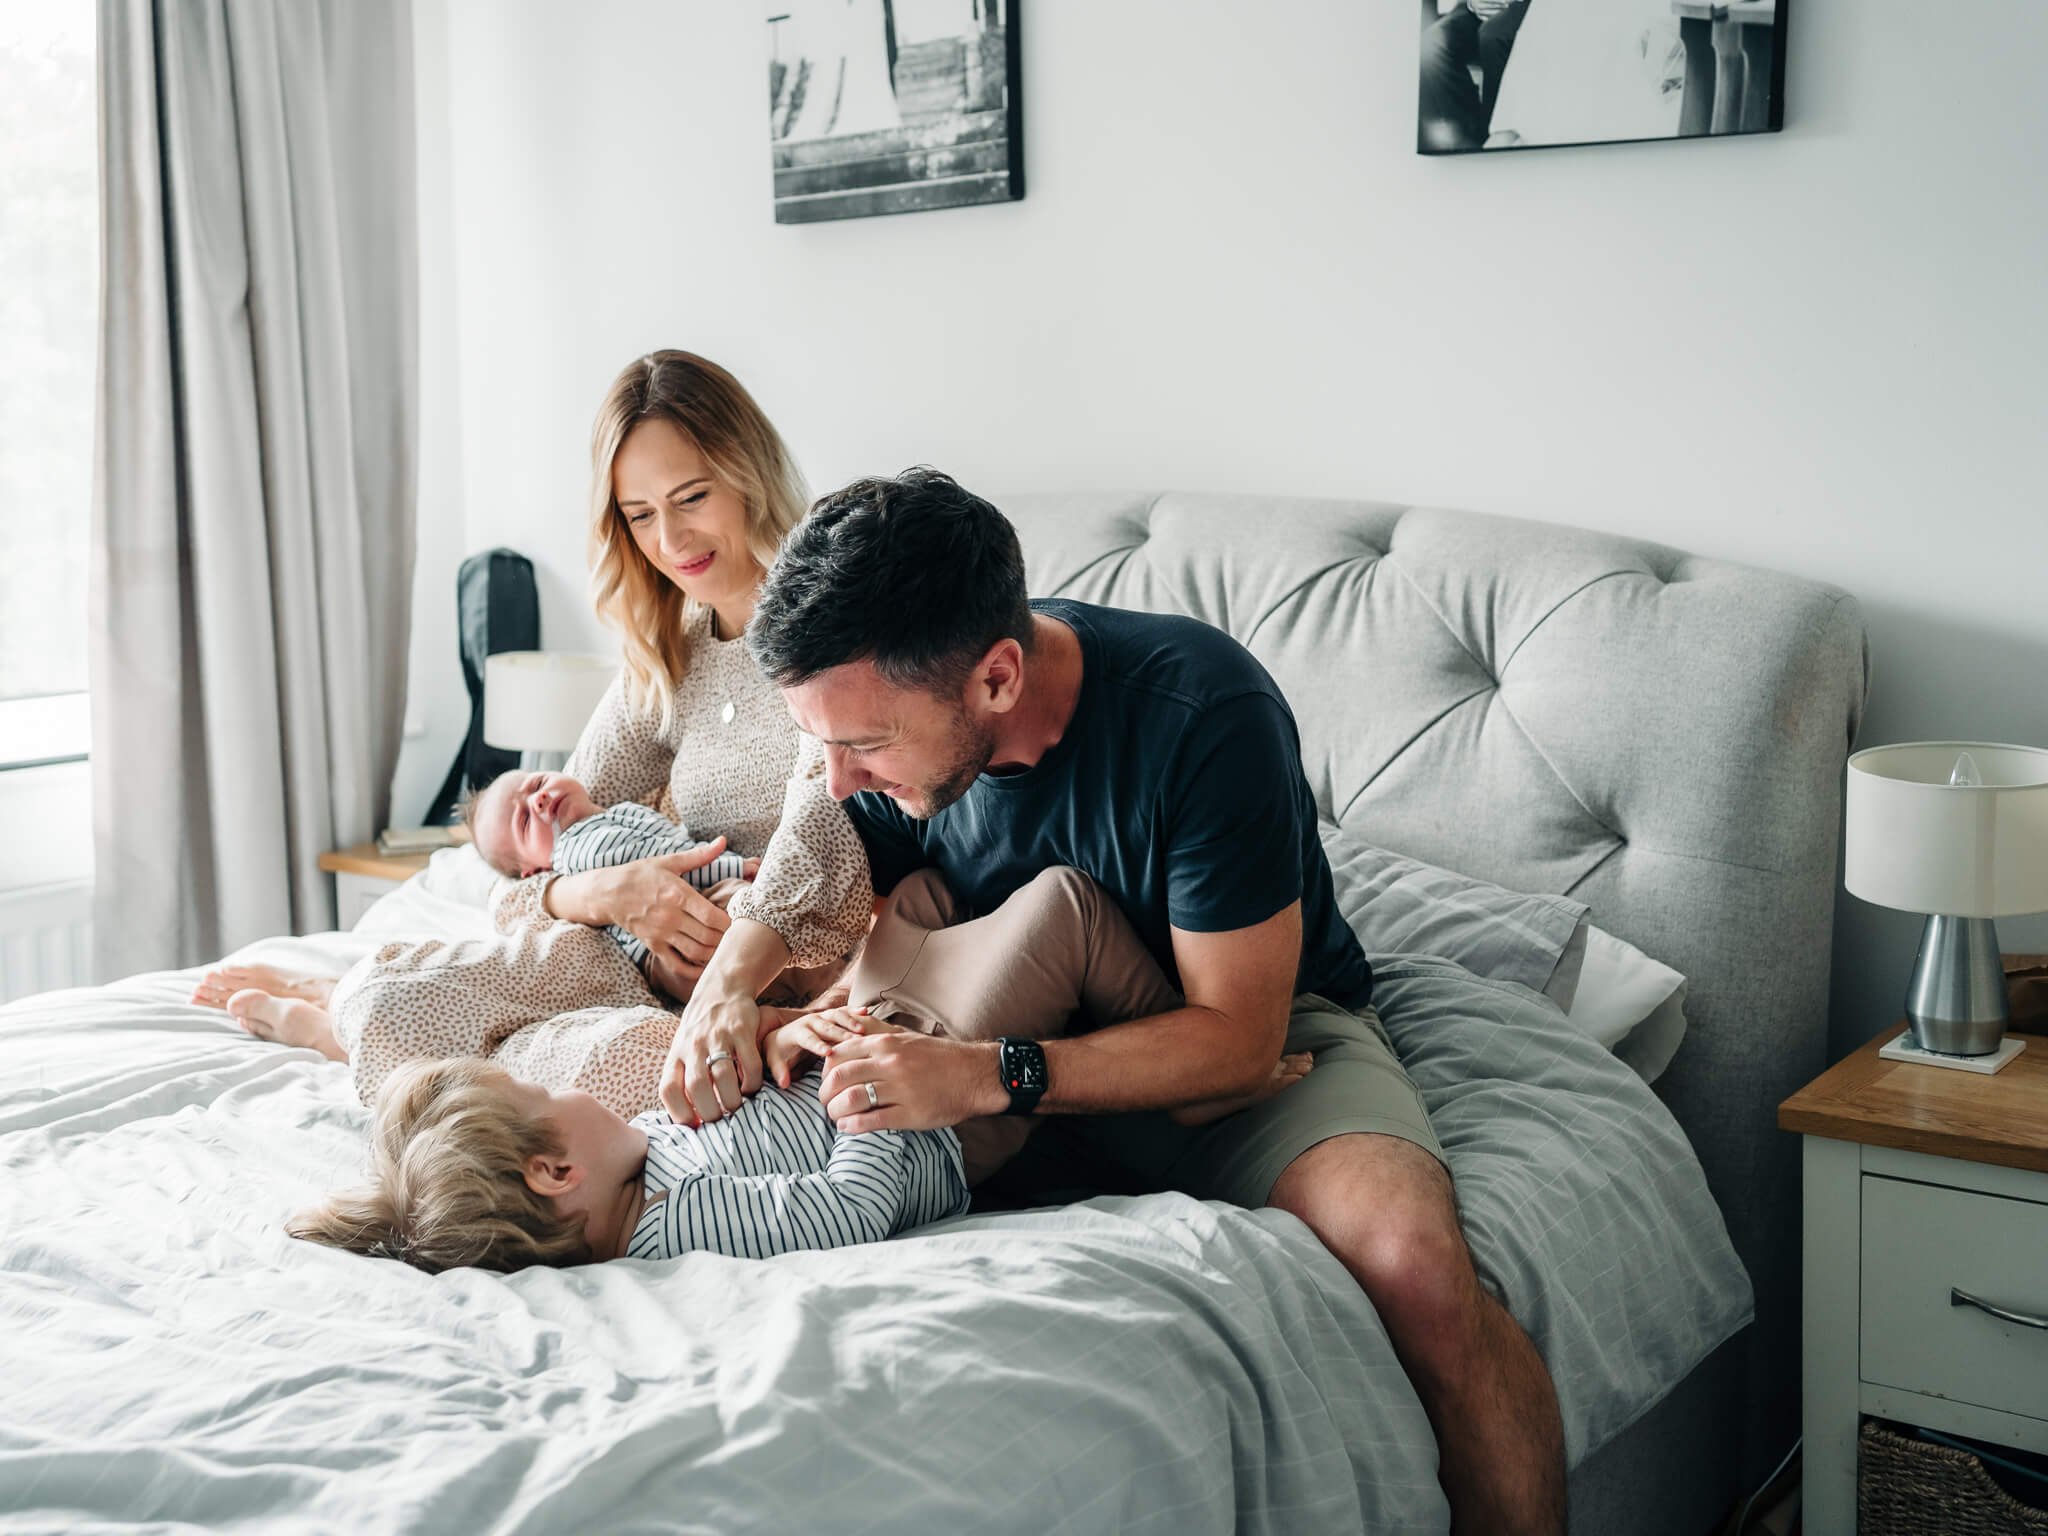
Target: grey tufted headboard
1659, 735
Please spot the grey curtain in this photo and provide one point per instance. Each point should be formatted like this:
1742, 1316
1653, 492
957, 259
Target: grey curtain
253, 496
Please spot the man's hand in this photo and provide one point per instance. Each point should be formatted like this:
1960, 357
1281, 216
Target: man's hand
680, 925
921, 1082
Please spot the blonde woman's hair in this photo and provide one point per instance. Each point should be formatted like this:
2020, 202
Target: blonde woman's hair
713, 410
447, 1188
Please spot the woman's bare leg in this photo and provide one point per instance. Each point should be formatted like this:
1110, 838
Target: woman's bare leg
223, 982
287, 1020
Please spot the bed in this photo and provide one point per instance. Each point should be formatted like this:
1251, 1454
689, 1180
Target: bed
1555, 711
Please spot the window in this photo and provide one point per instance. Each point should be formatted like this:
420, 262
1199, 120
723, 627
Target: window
49, 314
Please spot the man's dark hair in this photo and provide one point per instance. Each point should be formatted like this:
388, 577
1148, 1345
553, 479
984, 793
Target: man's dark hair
917, 575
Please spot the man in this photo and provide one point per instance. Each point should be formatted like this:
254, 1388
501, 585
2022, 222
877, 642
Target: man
993, 737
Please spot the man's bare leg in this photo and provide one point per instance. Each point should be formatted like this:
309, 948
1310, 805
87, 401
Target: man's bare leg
287, 1020
223, 982
1383, 1206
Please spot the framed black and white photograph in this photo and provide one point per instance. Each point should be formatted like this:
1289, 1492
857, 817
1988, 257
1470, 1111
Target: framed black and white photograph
893, 106
1530, 74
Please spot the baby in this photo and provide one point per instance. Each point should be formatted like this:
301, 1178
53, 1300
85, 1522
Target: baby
525, 822
471, 1166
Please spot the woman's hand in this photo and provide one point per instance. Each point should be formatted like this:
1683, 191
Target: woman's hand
679, 924
714, 1063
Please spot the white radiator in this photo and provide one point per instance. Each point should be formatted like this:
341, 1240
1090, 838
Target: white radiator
45, 938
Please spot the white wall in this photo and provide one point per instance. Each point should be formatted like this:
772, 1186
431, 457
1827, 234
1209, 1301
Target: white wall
437, 705
1819, 351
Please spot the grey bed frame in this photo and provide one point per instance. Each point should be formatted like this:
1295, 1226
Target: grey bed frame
1659, 735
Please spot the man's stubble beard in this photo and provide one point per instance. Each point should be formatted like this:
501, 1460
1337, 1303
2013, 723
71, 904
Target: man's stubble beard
974, 747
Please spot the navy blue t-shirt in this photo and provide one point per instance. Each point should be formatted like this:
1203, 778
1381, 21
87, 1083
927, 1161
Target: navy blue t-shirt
1177, 786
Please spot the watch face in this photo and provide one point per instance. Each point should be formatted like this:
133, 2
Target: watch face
1023, 1067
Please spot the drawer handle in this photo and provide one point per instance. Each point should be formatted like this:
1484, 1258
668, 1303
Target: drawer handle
1958, 1298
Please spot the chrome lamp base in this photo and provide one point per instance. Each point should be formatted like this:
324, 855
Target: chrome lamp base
1956, 1001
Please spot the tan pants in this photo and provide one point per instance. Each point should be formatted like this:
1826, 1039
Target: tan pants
1057, 948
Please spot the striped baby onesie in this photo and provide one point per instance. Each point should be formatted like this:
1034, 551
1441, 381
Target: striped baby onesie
627, 832
775, 1176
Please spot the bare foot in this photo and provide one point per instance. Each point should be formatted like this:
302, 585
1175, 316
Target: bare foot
223, 982
287, 1020
1287, 1071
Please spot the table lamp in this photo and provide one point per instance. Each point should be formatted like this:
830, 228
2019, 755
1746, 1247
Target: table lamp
1957, 830
537, 702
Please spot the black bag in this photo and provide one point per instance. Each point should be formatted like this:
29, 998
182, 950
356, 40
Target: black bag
497, 608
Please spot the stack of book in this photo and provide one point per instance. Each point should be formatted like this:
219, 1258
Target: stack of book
394, 841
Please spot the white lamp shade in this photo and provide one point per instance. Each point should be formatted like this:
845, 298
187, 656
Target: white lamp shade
539, 701
1916, 842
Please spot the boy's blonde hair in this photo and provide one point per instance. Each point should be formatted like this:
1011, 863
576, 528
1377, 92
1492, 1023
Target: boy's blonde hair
448, 1155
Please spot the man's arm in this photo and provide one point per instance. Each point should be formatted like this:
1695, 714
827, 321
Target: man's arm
1221, 1044
1239, 988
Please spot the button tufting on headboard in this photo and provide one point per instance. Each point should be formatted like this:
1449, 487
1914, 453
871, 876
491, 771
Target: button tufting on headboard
1659, 734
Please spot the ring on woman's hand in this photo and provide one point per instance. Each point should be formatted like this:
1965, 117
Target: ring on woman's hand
874, 1099
715, 1058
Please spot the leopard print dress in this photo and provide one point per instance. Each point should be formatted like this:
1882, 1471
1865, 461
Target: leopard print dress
558, 1003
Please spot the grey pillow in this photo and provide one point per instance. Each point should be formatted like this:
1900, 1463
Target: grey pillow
1402, 906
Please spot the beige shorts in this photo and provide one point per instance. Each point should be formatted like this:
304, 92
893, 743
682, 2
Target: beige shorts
1357, 1084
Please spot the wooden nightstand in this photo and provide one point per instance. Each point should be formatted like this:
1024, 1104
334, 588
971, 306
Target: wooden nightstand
1921, 1183
362, 874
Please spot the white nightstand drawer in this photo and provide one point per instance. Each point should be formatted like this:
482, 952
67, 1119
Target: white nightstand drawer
1919, 1242
356, 894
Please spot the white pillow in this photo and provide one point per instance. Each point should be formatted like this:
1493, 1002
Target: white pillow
459, 874
1630, 1003
1402, 906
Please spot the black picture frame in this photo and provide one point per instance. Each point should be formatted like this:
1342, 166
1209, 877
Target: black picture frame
955, 136
1733, 80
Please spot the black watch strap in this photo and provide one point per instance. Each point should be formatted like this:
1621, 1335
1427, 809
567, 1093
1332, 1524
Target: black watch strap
1022, 1064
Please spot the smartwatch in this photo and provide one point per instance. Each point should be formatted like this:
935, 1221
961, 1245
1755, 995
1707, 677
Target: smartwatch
1022, 1065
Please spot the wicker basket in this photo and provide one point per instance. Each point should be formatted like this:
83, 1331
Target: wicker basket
1908, 1487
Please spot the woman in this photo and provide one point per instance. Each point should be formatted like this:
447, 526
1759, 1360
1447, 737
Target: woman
692, 492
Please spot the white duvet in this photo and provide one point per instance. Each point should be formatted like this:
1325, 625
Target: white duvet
173, 1361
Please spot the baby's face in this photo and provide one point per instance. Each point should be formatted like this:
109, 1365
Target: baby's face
515, 824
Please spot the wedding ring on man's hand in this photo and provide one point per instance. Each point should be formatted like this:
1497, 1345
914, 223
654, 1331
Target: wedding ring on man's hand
874, 1099
715, 1058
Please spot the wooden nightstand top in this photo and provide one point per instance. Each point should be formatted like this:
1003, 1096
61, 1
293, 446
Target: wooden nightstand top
364, 859
2002, 1118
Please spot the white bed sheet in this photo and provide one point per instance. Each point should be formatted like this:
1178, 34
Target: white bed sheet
1163, 1364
